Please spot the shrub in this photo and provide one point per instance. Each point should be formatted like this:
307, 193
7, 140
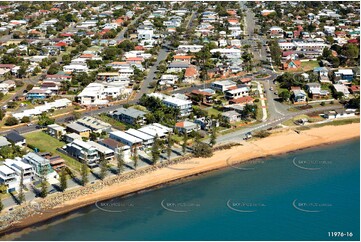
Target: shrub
10, 121
202, 150
322, 103
262, 134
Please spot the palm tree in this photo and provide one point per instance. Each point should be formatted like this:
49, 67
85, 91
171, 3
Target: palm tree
63, 180
213, 138
184, 145
120, 160
169, 145
44, 182
135, 156
155, 150
84, 170
21, 196
103, 167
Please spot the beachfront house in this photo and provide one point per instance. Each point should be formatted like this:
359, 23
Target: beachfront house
84, 152
9, 178
125, 138
19, 166
40, 164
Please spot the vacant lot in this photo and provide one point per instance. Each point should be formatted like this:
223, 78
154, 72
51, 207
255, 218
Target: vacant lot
46, 143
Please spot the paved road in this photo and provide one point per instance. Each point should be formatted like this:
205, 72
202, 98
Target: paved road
120, 35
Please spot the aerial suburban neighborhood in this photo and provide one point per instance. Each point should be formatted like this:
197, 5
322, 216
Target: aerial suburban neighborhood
90, 90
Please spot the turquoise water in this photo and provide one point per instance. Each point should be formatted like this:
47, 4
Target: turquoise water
271, 200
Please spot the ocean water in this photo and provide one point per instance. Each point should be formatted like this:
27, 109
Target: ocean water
303, 195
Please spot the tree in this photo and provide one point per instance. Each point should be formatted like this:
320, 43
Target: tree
44, 120
63, 180
43, 182
84, 170
213, 138
1, 204
155, 150
284, 95
103, 167
120, 160
21, 196
202, 150
2, 114
10, 121
135, 157
169, 145
184, 144
25, 119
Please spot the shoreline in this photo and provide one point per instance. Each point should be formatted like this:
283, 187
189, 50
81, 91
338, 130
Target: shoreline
273, 145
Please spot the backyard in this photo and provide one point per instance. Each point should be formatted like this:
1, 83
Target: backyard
46, 143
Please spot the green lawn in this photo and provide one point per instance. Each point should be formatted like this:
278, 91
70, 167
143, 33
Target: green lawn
213, 111
46, 143
309, 65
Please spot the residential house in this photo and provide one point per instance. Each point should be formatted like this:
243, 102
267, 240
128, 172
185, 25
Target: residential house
116, 146
78, 129
37, 93
57, 163
84, 152
147, 140
232, 116
314, 89
186, 127
223, 85
40, 165
299, 96
19, 167
291, 64
56, 131
191, 74
15, 138
4, 142
156, 129
237, 93
125, 138
242, 100
355, 89
129, 116
177, 66
103, 151
70, 137
94, 124
183, 58
184, 106
339, 113
206, 123
201, 96
342, 88
9, 178
344, 74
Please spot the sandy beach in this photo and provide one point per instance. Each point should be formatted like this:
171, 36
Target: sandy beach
277, 143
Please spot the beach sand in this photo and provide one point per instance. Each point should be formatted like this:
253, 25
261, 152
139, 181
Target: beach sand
278, 143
